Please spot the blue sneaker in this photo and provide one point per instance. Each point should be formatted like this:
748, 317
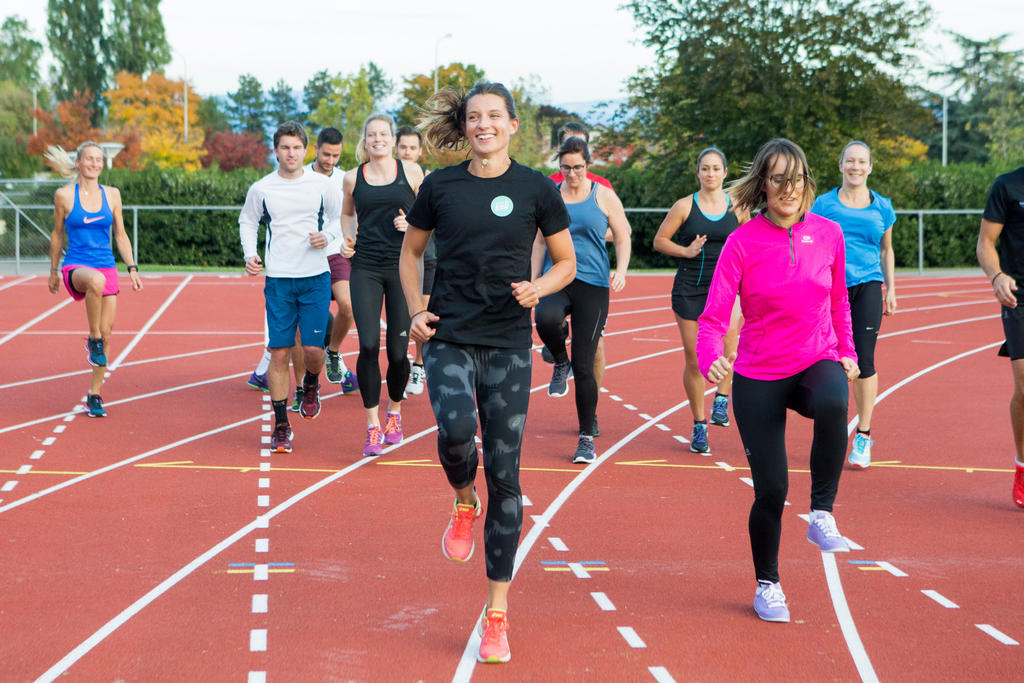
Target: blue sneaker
699, 438
720, 411
95, 406
560, 379
97, 357
770, 602
258, 382
349, 383
860, 456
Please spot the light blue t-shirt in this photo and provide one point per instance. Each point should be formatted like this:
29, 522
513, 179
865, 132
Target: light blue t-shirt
862, 233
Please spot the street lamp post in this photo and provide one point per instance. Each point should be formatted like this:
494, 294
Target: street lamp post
436, 45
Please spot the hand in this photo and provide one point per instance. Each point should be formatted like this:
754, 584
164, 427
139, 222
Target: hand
54, 282
348, 249
889, 303
695, 246
1004, 286
253, 266
400, 223
850, 366
618, 281
317, 240
136, 281
420, 329
721, 368
526, 293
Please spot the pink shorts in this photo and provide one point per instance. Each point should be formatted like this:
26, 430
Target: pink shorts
113, 285
341, 268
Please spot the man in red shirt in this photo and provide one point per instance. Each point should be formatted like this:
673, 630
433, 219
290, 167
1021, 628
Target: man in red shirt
577, 130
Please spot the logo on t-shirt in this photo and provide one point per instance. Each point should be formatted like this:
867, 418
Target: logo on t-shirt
807, 239
501, 206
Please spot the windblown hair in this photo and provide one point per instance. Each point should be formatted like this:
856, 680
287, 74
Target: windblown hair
444, 114
575, 145
362, 156
748, 192
851, 143
60, 161
712, 150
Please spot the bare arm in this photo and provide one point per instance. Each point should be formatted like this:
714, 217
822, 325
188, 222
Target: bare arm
60, 214
124, 243
621, 231
537, 256
348, 214
1003, 285
889, 272
561, 273
675, 218
410, 270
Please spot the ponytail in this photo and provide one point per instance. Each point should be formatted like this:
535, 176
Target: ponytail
56, 158
443, 115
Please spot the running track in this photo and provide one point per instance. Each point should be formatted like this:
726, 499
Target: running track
164, 543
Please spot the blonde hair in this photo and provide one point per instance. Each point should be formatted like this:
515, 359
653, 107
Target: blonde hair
444, 114
61, 162
362, 156
748, 192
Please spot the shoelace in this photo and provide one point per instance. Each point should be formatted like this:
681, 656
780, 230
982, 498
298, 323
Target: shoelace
773, 595
281, 432
373, 435
827, 525
585, 444
494, 626
391, 423
562, 372
464, 516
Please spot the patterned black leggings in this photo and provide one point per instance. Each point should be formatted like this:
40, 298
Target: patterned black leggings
467, 382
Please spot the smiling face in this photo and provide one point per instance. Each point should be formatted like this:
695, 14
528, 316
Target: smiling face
290, 152
89, 162
378, 139
488, 124
785, 189
855, 166
711, 172
408, 148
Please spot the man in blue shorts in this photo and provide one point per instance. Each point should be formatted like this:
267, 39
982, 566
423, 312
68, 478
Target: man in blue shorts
1003, 220
301, 210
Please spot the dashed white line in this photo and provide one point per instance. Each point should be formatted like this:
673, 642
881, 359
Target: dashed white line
681, 439
262, 545
59, 429
261, 572
997, 634
262, 522
661, 674
264, 481
748, 481
628, 406
941, 599
264, 452
36, 455
615, 398
264, 467
48, 441
266, 428
646, 416
557, 544
603, 602
631, 637
9, 486
725, 466
891, 569
853, 544
259, 603
69, 418
263, 501
258, 640
24, 469
578, 570
526, 501
257, 677
661, 427
264, 439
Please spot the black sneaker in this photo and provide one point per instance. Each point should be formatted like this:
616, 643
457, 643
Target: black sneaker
560, 379
95, 405
334, 373
97, 357
584, 451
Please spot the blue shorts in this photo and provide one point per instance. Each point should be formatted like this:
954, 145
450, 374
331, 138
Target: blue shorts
297, 302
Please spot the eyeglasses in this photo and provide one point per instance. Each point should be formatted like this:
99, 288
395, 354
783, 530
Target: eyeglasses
578, 168
779, 179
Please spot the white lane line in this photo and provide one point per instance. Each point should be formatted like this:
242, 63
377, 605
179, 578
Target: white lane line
9, 486
645, 416
49, 441
631, 637
261, 572
941, 599
748, 481
725, 466
628, 406
59, 429
891, 569
263, 501
264, 467
258, 640
662, 427
579, 571
681, 439
262, 545
262, 522
661, 674
149, 323
266, 428
264, 482
12, 283
997, 634
256, 677
975, 302
615, 398
853, 545
526, 501
603, 602
69, 418
24, 469
42, 316
36, 455
259, 603
849, 629
264, 439
557, 544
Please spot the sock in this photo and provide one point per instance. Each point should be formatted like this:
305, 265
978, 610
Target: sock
815, 514
419, 365
310, 380
865, 432
701, 422
719, 393
264, 364
1019, 463
280, 412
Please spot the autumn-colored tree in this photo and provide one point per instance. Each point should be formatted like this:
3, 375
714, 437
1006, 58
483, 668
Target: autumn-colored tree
229, 151
153, 109
68, 127
419, 87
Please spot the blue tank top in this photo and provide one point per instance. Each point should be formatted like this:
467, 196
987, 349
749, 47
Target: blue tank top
588, 226
89, 235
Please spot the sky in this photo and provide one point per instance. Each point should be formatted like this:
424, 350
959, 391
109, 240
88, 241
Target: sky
586, 56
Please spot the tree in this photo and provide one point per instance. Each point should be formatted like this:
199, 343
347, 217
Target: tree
531, 145
282, 105
19, 52
153, 109
248, 107
69, 127
74, 32
419, 87
346, 108
380, 85
135, 40
15, 111
212, 119
229, 151
317, 88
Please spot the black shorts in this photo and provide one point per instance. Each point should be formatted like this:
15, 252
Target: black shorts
1013, 328
865, 318
428, 276
688, 301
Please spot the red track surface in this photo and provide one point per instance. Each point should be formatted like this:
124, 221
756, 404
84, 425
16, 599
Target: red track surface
135, 547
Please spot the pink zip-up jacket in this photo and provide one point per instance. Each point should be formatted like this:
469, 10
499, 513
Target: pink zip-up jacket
792, 288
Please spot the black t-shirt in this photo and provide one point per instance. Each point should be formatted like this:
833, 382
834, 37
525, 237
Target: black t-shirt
1005, 205
378, 242
484, 230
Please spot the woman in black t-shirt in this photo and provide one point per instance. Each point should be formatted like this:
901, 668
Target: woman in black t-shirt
484, 215
377, 194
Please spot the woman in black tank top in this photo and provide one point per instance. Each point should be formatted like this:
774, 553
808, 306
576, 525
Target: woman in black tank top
705, 219
377, 194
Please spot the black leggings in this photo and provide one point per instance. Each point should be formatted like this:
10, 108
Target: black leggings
820, 392
467, 382
372, 289
588, 306
866, 316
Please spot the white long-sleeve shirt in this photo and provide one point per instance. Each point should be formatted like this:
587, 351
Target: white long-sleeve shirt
291, 208
337, 176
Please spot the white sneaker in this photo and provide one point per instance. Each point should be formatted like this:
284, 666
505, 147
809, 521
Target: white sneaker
860, 456
416, 377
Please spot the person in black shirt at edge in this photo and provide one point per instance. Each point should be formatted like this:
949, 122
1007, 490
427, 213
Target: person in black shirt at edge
484, 215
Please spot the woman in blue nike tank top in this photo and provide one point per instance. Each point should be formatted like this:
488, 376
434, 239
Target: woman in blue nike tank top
86, 212
706, 219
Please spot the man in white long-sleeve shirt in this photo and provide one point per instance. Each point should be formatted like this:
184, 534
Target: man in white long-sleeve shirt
302, 213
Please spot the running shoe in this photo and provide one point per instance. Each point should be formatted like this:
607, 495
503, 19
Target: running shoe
860, 456
281, 439
97, 357
374, 439
296, 405
349, 383
770, 602
258, 382
95, 406
560, 379
457, 542
596, 431
584, 451
494, 638
310, 404
416, 377
720, 411
699, 438
393, 428
1018, 486
823, 533
333, 367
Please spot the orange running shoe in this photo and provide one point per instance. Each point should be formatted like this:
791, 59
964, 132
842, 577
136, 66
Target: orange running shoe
494, 639
1018, 486
457, 543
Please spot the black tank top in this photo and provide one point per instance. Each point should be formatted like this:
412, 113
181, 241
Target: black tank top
695, 273
378, 243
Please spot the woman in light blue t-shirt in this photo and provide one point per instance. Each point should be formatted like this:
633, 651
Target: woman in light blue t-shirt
866, 218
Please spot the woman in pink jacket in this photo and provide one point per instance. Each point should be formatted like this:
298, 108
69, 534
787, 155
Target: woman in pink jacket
795, 350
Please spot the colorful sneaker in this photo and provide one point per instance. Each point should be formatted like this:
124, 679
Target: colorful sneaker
97, 357
1018, 486
333, 367
699, 438
770, 602
584, 451
393, 428
416, 377
95, 406
296, 405
860, 456
310, 406
823, 533
560, 379
457, 542
494, 638
281, 439
258, 382
374, 439
720, 411
349, 383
